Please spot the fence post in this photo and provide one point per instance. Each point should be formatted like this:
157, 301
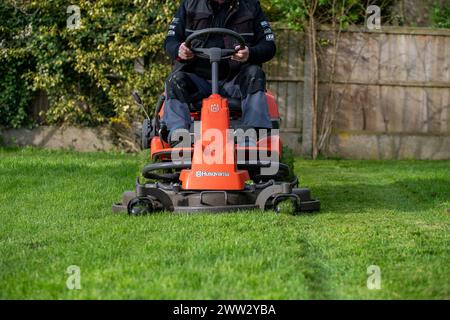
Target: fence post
307, 131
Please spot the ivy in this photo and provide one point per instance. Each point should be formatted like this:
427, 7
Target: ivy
87, 73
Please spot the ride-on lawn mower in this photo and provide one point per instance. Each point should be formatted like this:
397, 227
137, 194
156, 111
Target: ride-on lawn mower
211, 177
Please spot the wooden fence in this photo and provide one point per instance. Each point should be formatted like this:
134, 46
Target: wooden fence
391, 91
285, 76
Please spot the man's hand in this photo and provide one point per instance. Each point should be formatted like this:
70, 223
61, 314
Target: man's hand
241, 55
185, 53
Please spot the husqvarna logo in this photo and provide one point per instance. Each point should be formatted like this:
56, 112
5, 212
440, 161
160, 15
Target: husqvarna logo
201, 174
215, 108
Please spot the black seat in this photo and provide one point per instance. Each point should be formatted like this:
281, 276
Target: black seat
234, 104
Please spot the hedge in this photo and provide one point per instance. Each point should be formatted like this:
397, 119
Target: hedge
87, 73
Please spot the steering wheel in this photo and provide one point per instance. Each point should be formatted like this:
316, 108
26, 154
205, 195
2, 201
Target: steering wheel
215, 54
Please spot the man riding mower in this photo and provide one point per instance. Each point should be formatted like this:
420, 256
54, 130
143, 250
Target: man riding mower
214, 137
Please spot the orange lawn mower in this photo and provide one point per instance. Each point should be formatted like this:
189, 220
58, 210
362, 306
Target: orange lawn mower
213, 172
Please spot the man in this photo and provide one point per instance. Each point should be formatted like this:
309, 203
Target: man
241, 77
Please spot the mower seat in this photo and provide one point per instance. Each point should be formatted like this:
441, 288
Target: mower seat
234, 105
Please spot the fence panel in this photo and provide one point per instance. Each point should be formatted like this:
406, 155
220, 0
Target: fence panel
285, 77
389, 84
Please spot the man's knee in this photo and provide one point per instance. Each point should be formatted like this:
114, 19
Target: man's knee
181, 87
252, 80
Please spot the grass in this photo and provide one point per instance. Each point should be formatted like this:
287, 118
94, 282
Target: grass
55, 212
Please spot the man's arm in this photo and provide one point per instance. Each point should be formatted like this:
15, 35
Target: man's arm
176, 36
264, 49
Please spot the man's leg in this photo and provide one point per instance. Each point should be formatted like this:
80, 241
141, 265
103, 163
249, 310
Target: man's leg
182, 88
255, 109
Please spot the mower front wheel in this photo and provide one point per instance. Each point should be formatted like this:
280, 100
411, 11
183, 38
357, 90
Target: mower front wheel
140, 206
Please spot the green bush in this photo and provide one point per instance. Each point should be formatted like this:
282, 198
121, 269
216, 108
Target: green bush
346, 12
15, 96
88, 73
441, 17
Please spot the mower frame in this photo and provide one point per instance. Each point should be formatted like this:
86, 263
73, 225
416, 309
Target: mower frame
182, 190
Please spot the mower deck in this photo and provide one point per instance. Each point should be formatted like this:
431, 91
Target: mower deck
170, 197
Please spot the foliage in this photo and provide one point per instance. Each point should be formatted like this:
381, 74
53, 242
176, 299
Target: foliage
291, 12
15, 95
88, 73
288, 158
441, 16
347, 12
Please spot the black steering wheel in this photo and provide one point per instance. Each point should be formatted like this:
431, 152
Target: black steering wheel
215, 54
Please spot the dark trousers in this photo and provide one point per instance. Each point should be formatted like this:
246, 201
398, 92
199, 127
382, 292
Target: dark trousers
184, 88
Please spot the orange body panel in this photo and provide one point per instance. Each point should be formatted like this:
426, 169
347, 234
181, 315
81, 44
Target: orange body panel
160, 151
156, 146
214, 160
161, 112
273, 107
272, 143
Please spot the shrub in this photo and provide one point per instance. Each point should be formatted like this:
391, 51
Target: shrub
88, 73
441, 17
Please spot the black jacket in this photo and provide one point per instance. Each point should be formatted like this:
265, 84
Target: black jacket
244, 16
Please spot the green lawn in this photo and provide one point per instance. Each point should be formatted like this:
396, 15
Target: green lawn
55, 212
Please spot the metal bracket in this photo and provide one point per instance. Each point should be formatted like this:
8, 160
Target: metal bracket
213, 192
266, 194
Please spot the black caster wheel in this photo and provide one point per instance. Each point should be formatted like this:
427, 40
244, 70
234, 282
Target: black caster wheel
140, 206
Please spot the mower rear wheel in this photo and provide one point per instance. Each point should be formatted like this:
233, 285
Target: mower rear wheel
140, 206
147, 129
